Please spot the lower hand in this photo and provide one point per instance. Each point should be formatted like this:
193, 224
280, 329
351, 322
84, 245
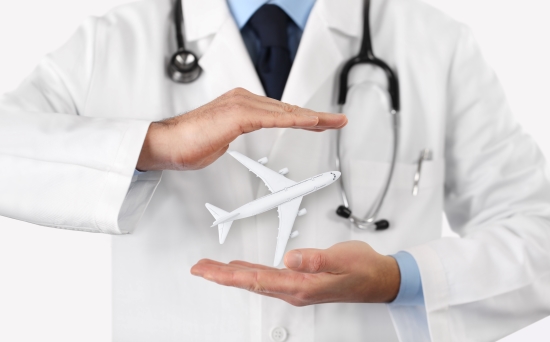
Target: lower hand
348, 272
196, 139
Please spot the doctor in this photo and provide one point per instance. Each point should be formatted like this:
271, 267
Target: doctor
74, 133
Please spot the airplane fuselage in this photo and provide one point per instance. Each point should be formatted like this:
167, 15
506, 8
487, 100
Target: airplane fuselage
277, 198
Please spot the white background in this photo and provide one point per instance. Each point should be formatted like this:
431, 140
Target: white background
55, 284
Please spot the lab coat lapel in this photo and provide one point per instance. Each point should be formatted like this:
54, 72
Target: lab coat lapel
226, 65
225, 60
318, 57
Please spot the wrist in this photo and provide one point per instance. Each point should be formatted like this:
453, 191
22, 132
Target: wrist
155, 152
391, 279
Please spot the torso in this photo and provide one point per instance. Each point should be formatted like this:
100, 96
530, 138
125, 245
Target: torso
154, 295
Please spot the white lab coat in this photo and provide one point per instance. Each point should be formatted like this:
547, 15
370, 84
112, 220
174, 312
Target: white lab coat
70, 136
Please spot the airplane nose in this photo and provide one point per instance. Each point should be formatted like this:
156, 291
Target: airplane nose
335, 175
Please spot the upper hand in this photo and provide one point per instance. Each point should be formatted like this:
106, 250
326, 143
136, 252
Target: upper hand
348, 272
195, 140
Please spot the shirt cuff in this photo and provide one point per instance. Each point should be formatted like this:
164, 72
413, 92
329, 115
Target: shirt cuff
410, 291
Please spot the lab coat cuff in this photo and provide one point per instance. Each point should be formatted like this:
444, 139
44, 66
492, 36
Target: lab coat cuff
436, 292
126, 195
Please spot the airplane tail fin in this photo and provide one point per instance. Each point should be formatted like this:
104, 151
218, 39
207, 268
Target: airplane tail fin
223, 228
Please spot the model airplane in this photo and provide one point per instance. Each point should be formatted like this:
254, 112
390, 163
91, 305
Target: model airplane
286, 195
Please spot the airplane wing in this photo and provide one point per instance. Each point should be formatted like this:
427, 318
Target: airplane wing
273, 180
287, 214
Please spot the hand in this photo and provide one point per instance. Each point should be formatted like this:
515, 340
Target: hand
196, 139
348, 272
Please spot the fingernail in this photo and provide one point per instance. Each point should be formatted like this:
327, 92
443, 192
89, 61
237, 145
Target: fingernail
294, 259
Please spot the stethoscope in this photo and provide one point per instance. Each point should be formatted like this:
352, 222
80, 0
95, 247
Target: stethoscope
184, 68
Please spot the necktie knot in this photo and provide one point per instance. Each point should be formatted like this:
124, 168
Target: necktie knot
270, 23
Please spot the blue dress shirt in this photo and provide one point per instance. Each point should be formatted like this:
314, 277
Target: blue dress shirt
410, 292
297, 10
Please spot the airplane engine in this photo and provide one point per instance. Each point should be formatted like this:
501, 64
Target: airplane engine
302, 212
283, 171
263, 160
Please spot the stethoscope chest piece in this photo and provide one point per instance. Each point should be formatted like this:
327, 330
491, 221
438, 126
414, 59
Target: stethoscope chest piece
184, 67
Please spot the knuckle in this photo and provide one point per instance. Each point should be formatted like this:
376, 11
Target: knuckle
256, 284
288, 108
317, 262
276, 115
237, 91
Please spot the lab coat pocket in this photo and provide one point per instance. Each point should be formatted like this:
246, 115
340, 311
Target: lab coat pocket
413, 219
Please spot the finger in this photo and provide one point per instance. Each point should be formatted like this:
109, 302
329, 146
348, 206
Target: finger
283, 115
313, 129
332, 121
236, 264
255, 280
327, 120
206, 265
255, 119
250, 265
255, 112
210, 261
300, 118
258, 112
312, 260
227, 275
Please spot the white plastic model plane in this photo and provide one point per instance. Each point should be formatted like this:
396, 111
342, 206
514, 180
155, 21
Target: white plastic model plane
285, 194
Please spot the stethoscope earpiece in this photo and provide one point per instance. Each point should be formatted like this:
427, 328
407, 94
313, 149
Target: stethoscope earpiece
345, 212
184, 67
382, 225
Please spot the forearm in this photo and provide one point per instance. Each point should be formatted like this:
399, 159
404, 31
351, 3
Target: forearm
67, 171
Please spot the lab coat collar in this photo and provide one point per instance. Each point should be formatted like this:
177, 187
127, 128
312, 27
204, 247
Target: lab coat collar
203, 18
318, 56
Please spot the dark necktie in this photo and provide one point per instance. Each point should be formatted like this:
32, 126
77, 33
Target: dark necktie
270, 24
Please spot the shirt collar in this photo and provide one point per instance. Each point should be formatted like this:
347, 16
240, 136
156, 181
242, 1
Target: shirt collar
297, 10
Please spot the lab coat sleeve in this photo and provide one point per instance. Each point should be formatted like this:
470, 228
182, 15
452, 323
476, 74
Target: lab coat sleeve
495, 278
62, 167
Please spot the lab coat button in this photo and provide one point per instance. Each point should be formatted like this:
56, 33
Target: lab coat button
278, 334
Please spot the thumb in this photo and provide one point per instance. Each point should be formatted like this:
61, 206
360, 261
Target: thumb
311, 260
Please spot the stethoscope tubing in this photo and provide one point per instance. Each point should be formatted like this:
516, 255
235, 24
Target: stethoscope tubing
368, 223
366, 56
